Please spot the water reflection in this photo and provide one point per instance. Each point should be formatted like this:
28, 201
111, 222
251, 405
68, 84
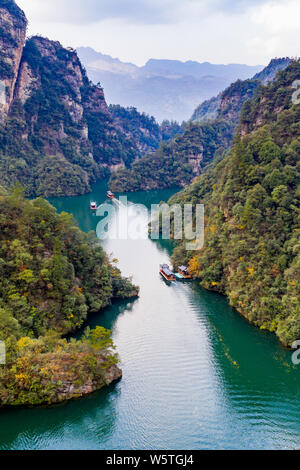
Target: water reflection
61, 426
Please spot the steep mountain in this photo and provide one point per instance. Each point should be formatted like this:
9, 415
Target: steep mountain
177, 162
206, 139
56, 136
52, 277
166, 89
141, 129
228, 104
269, 73
208, 110
54, 122
252, 213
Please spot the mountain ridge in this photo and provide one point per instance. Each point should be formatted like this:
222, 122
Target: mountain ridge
176, 86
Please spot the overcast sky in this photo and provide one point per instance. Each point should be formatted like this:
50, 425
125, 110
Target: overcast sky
218, 31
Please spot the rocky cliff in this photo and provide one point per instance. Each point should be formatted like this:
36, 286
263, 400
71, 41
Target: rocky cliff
12, 38
272, 101
57, 135
252, 217
229, 103
178, 161
142, 130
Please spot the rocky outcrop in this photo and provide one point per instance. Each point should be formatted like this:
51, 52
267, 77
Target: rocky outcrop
262, 110
68, 390
234, 97
12, 38
196, 163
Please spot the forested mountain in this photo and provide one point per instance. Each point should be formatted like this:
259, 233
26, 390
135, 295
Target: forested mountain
252, 213
166, 89
201, 143
176, 162
57, 134
232, 99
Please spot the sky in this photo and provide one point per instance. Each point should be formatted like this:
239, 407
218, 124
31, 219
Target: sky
218, 31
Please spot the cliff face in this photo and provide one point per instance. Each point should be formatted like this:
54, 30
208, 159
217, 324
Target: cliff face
57, 135
272, 101
12, 38
58, 276
176, 162
252, 199
234, 97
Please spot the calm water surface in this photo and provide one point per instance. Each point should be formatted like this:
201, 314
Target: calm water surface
196, 374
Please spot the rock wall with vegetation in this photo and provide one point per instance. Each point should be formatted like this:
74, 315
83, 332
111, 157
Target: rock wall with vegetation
12, 38
252, 214
176, 162
142, 130
57, 134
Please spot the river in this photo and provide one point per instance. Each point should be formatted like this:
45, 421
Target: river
196, 375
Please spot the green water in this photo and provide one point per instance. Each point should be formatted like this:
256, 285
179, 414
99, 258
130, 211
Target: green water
196, 374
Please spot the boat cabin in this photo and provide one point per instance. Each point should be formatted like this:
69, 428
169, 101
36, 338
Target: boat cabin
166, 272
183, 270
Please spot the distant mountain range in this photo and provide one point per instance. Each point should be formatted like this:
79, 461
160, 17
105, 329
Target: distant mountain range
166, 89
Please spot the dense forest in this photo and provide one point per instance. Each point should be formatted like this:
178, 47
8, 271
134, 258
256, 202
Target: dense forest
142, 129
176, 162
196, 145
57, 134
252, 215
52, 277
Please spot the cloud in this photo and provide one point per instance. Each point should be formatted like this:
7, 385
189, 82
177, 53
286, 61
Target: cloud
240, 6
133, 11
220, 31
91, 11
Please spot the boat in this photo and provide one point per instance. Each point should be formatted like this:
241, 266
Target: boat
179, 277
184, 272
110, 195
93, 206
166, 272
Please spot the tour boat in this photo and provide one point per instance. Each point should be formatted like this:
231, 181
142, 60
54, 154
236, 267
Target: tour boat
184, 272
110, 195
93, 206
166, 272
179, 277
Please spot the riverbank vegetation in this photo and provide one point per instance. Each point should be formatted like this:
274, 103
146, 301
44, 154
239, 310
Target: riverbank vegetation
52, 277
